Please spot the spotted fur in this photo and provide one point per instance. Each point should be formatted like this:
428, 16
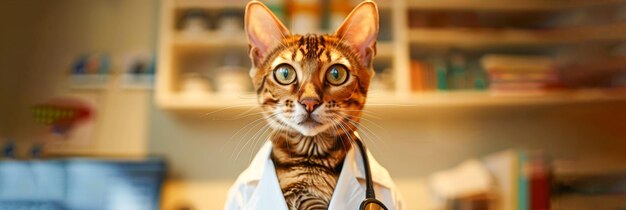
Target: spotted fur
308, 157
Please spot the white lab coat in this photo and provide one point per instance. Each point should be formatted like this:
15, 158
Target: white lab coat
257, 187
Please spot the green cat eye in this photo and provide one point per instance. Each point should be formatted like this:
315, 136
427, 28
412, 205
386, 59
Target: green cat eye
284, 74
337, 74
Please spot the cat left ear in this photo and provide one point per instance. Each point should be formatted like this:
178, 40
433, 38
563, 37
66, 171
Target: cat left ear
360, 30
264, 30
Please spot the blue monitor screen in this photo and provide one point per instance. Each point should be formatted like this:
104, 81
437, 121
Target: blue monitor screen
77, 184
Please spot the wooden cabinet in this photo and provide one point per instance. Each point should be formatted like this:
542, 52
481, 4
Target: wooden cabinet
396, 48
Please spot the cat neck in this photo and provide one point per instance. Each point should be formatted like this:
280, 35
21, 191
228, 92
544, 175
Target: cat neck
324, 149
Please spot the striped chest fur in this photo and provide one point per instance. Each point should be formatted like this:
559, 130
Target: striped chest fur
312, 89
308, 168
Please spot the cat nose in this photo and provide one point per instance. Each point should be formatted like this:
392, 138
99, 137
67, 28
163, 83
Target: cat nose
310, 103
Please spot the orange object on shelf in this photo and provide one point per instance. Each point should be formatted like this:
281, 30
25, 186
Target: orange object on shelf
419, 76
304, 15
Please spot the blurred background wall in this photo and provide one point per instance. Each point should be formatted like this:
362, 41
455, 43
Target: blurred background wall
40, 39
14, 56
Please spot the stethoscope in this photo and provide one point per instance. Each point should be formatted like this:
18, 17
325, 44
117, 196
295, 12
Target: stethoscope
370, 202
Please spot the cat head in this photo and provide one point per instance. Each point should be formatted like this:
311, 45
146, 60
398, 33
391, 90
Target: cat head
312, 84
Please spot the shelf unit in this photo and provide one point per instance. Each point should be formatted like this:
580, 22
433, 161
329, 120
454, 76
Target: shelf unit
507, 5
397, 51
482, 38
476, 98
211, 4
210, 40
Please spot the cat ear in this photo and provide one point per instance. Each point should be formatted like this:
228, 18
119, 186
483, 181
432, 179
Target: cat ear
360, 30
264, 30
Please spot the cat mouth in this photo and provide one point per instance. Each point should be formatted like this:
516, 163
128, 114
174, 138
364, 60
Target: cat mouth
309, 122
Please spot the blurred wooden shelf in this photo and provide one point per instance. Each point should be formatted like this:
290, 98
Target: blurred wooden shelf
382, 100
208, 101
214, 39
488, 98
481, 37
211, 4
210, 39
508, 5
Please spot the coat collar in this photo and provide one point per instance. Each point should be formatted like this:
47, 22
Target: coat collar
353, 165
268, 192
348, 194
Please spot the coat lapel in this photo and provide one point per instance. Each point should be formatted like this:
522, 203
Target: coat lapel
349, 193
268, 194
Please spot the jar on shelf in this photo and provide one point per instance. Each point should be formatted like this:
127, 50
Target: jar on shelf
232, 78
195, 22
195, 85
230, 24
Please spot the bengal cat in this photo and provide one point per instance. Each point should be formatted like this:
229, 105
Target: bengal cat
312, 89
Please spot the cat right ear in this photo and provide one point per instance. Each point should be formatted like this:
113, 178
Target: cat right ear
360, 29
264, 30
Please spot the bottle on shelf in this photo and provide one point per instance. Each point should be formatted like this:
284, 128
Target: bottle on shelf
457, 77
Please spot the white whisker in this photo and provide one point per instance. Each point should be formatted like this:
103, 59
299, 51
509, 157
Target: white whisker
229, 107
256, 123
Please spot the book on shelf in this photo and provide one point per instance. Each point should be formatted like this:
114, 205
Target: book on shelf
444, 72
521, 74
